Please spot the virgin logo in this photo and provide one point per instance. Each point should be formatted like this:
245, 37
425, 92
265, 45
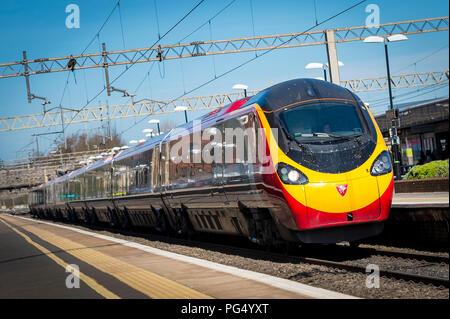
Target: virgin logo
342, 189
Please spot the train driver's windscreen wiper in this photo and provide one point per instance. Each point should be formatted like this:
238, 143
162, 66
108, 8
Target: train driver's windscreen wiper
337, 136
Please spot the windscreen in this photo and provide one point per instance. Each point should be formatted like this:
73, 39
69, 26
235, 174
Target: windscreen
322, 121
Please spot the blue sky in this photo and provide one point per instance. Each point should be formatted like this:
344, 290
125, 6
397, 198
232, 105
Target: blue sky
39, 28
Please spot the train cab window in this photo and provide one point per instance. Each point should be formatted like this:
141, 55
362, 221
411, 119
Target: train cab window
322, 121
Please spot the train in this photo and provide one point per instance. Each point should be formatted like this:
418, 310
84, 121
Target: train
305, 163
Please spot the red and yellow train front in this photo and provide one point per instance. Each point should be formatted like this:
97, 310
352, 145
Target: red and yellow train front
331, 181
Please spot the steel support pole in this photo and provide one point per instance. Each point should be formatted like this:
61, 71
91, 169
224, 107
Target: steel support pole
394, 138
333, 65
105, 66
37, 146
27, 77
63, 129
391, 104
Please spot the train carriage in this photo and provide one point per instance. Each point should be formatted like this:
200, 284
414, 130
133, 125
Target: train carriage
302, 161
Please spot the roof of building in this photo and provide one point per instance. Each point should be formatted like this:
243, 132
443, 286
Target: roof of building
407, 105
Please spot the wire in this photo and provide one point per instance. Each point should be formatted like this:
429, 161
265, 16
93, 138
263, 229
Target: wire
253, 22
206, 22
181, 60
121, 24
157, 20
101, 28
163, 73
143, 80
422, 59
400, 97
124, 71
89, 44
396, 97
253, 18
182, 75
213, 58
315, 10
253, 58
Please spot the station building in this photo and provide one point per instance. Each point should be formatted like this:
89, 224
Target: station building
423, 130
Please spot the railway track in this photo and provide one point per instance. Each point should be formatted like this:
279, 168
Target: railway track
250, 250
383, 273
406, 255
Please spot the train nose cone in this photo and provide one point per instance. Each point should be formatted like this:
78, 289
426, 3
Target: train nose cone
342, 189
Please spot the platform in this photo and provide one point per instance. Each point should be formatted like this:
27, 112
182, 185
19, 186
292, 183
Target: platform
421, 200
34, 255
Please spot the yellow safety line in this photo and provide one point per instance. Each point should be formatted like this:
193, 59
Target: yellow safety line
150, 284
85, 278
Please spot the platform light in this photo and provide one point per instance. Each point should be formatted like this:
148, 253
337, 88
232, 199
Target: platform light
142, 141
323, 66
182, 108
241, 87
133, 142
314, 65
397, 37
394, 138
374, 39
157, 123
391, 38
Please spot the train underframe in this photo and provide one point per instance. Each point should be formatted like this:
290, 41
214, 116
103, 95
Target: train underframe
261, 221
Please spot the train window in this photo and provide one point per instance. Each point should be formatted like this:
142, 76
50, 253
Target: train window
319, 121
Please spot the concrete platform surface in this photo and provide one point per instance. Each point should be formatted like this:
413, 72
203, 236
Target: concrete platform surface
35, 258
420, 200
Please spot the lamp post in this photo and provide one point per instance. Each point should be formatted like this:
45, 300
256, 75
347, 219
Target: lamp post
155, 122
395, 141
323, 66
241, 87
182, 108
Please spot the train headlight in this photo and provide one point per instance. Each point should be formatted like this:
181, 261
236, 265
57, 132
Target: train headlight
382, 165
291, 175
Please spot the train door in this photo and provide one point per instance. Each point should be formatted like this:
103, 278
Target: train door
162, 208
240, 162
208, 175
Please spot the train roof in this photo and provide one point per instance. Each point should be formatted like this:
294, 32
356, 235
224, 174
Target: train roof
189, 126
298, 90
270, 99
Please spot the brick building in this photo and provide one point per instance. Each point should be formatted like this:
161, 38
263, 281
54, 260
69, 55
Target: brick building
423, 130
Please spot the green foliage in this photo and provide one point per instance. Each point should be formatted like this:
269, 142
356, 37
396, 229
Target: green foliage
429, 170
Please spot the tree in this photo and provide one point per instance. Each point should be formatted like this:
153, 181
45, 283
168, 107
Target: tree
83, 142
